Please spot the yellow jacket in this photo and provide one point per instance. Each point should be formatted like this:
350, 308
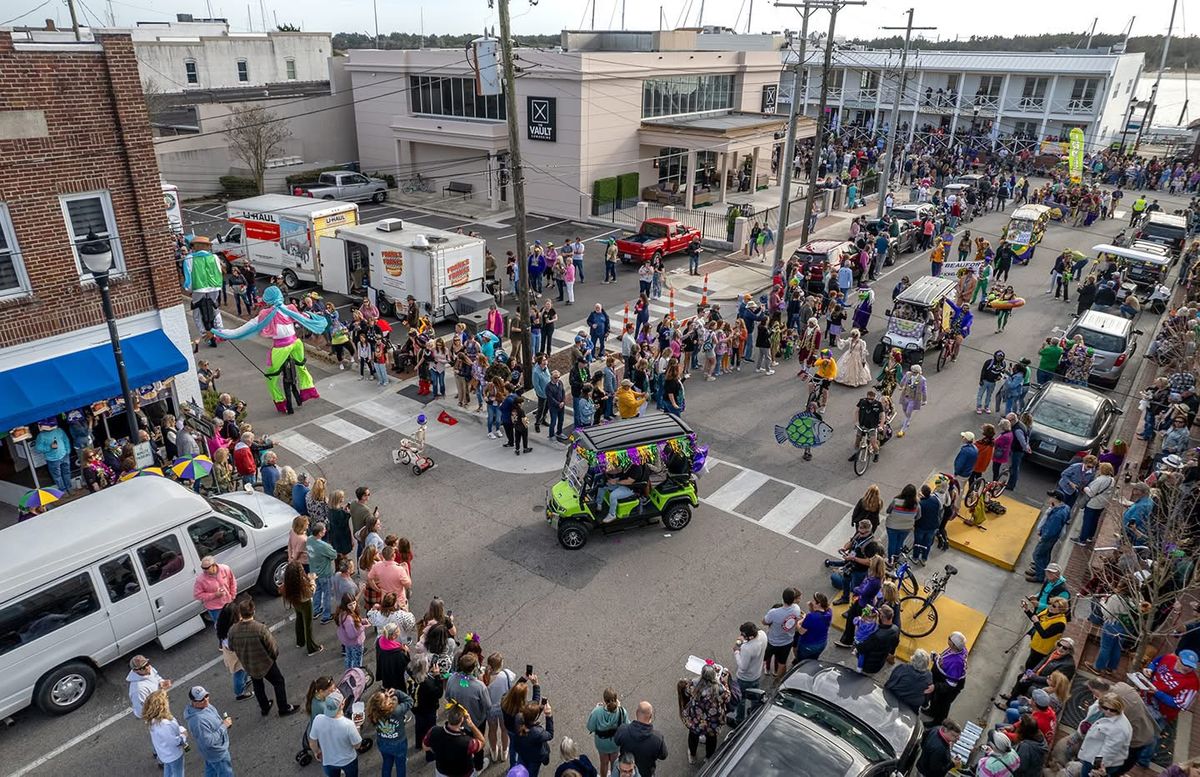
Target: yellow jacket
1047, 630
628, 402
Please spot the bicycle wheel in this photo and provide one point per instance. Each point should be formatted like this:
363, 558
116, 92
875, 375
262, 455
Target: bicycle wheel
862, 460
908, 584
996, 488
970, 498
919, 618
943, 355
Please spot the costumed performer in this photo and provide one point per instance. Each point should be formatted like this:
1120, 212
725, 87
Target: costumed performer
277, 322
202, 276
862, 313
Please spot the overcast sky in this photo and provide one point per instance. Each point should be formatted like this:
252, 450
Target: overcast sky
961, 18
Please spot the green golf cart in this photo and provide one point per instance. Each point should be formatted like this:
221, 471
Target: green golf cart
654, 456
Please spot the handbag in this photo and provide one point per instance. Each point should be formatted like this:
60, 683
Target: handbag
230, 659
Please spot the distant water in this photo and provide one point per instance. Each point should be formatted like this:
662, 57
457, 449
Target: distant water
1171, 95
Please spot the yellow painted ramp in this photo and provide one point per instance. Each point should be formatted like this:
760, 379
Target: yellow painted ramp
952, 616
1003, 537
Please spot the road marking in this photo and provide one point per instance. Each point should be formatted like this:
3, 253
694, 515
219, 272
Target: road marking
343, 428
308, 450
388, 415
782, 517
733, 493
96, 729
535, 229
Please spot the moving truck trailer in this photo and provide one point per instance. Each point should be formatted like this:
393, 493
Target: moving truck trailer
394, 261
283, 235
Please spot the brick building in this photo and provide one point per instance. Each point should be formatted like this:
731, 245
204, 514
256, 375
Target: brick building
77, 155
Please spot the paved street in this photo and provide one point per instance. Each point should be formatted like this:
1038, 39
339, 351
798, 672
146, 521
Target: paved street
625, 611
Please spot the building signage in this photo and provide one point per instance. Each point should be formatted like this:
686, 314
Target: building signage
770, 97
542, 118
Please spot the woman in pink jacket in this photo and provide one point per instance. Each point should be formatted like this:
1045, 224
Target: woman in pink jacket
215, 586
1002, 448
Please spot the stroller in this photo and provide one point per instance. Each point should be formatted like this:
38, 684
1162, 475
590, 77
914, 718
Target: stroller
353, 688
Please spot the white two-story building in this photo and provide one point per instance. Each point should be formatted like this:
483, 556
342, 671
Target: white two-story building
1024, 95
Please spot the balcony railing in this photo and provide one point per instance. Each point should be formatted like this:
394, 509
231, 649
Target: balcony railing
944, 104
835, 94
1079, 105
1026, 105
984, 103
867, 95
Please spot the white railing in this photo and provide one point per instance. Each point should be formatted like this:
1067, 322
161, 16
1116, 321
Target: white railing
1027, 105
1077, 106
984, 102
868, 95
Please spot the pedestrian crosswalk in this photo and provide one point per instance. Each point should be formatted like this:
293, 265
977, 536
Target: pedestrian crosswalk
801, 514
689, 291
364, 414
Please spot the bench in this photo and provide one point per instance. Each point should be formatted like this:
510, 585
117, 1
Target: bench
458, 187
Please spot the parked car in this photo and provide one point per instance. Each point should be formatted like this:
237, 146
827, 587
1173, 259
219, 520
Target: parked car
907, 239
1066, 420
1164, 229
347, 186
816, 259
824, 720
913, 211
655, 239
1112, 339
125, 579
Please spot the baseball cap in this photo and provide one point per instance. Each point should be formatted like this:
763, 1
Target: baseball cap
968, 436
198, 693
334, 699
1188, 658
1041, 698
1053, 568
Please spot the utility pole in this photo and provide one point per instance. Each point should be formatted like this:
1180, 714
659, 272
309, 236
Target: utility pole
890, 149
750, 19
518, 184
375, 9
787, 159
1091, 33
833, 7
74, 18
1162, 63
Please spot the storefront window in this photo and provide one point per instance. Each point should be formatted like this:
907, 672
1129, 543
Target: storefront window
441, 96
676, 95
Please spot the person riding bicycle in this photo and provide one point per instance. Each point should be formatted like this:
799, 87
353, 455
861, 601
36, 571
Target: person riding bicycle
959, 327
824, 373
869, 416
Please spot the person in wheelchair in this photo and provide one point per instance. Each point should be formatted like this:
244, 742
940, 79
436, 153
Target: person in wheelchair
621, 485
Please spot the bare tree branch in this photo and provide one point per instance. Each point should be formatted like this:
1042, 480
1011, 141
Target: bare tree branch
255, 136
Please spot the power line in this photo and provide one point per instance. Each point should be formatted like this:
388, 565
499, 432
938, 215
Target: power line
23, 15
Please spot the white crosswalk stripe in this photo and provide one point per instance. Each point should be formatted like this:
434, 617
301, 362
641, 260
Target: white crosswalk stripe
685, 305
343, 428
307, 449
788, 515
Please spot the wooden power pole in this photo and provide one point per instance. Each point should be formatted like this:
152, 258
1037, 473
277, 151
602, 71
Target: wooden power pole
518, 184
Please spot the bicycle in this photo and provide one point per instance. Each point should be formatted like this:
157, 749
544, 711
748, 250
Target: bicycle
924, 620
863, 457
906, 581
948, 351
989, 491
417, 183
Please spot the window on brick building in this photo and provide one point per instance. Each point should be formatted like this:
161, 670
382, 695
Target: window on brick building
13, 280
243, 71
291, 68
93, 212
191, 71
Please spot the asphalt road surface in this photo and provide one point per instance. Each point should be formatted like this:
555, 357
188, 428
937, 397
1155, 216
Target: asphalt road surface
627, 610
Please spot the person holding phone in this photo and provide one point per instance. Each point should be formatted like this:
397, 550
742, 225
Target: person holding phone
334, 738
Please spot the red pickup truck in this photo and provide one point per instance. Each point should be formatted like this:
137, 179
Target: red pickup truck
656, 239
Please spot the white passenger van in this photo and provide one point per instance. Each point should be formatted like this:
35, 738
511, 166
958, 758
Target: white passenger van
95, 579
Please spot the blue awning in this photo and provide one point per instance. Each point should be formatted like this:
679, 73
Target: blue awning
40, 390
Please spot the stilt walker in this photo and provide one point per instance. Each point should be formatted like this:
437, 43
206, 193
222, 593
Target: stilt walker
277, 322
202, 276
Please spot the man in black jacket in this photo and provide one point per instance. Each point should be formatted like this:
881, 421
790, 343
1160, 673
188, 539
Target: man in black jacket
639, 738
882, 643
936, 760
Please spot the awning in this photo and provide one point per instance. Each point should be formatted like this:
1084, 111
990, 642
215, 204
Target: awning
44, 389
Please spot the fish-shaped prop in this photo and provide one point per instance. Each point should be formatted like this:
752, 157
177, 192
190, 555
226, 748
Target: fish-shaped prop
805, 430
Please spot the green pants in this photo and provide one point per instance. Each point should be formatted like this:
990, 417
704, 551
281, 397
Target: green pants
304, 627
980, 291
304, 381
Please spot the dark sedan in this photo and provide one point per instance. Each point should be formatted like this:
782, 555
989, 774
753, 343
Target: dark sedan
1066, 420
825, 720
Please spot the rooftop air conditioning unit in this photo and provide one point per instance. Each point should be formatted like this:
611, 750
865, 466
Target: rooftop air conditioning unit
420, 242
390, 225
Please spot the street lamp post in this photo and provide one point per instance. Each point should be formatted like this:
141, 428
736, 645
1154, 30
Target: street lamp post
96, 255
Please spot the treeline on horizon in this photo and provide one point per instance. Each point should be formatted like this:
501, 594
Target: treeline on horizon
1184, 50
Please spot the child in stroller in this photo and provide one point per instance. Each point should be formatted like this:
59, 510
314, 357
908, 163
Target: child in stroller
353, 688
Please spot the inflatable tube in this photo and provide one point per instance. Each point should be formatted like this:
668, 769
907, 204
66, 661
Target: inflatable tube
1006, 304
